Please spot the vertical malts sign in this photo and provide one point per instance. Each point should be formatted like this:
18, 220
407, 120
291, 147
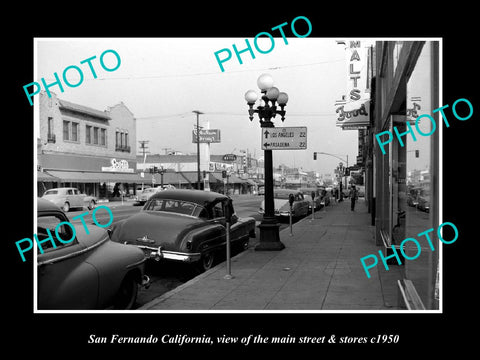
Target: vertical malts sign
353, 110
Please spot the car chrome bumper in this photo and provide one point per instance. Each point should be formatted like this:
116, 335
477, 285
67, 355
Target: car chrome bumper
159, 254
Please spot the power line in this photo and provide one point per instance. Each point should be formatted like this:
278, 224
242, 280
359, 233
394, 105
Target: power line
152, 117
149, 77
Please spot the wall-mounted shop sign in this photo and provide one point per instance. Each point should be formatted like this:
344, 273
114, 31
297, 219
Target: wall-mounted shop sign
216, 166
229, 157
118, 166
354, 108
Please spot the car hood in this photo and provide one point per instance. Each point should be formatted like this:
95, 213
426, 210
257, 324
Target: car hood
53, 197
154, 228
282, 204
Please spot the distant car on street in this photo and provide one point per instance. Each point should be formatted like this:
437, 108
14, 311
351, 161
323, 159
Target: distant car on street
300, 206
69, 197
184, 225
144, 195
88, 272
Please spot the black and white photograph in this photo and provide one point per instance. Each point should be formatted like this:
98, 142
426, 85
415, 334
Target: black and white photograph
261, 186
319, 185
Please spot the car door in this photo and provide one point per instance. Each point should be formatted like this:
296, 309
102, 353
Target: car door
215, 235
78, 198
70, 198
64, 279
302, 204
238, 230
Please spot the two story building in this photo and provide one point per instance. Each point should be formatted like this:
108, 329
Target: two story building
90, 149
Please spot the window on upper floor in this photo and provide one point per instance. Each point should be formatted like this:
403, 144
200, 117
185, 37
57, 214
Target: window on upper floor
122, 140
66, 130
74, 136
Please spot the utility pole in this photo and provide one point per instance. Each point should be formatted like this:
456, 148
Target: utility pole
143, 144
144, 148
198, 150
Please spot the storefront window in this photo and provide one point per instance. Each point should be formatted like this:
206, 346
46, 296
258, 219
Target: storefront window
418, 202
407, 174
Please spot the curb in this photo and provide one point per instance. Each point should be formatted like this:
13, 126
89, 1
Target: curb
197, 278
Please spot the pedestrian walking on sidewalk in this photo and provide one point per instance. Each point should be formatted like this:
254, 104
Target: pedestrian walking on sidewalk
353, 196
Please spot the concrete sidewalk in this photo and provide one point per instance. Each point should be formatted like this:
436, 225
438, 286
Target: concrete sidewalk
319, 269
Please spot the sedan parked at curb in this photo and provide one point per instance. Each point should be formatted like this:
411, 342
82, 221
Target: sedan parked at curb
88, 272
184, 225
317, 201
300, 206
69, 197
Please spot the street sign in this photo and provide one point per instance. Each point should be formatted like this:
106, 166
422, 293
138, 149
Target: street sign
206, 136
284, 138
229, 157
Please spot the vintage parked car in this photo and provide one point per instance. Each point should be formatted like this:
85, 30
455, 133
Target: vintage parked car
282, 206
307, 194
89, 272
69, 197
184, 225
423, 202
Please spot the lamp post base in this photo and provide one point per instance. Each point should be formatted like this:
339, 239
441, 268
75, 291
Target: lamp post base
269, 236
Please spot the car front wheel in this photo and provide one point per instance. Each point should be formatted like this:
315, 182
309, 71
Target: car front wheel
91, 205
66, 207
127, 294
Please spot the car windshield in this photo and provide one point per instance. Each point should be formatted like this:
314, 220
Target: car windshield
174, 206
51, 192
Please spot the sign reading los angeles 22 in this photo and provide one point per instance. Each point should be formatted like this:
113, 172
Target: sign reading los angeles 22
284, 138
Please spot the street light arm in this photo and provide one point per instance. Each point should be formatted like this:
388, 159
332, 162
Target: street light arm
324, 153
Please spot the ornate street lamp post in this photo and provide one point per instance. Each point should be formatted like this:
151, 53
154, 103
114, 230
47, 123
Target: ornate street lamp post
266, 110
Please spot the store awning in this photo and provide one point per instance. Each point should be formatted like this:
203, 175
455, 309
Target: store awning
46, 177
232, 179
86, 177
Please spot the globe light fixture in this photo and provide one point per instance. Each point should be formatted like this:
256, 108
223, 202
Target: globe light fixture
282, 99
265, 82
267, 108
251, 96
273, 93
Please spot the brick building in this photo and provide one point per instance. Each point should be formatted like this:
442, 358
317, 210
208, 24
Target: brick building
86, 148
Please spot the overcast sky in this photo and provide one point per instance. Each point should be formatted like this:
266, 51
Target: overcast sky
162, 80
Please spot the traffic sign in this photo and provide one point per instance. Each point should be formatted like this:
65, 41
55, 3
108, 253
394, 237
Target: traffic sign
284, 138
